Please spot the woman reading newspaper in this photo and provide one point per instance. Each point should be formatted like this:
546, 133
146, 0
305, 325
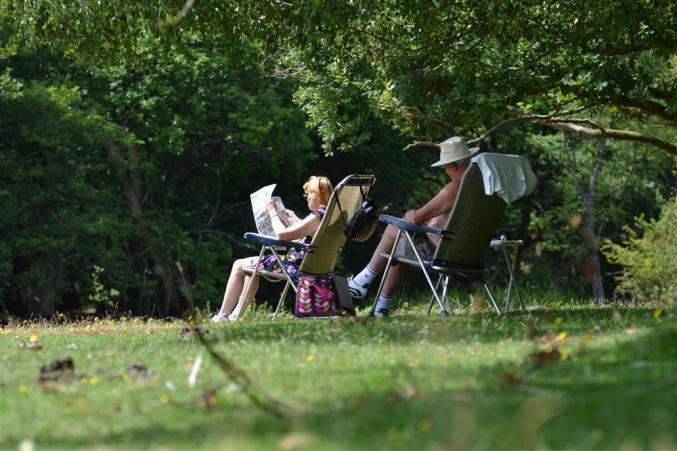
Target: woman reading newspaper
316, 191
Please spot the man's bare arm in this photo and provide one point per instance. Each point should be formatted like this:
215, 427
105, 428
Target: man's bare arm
442, 203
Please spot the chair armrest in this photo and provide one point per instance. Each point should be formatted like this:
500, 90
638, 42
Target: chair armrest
269, 241
504, 241
408, 226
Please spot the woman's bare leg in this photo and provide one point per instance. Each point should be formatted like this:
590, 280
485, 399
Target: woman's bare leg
251, 286
236, 283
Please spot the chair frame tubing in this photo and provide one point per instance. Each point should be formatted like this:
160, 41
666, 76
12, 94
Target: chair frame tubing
288, 277
391, 257
441, 298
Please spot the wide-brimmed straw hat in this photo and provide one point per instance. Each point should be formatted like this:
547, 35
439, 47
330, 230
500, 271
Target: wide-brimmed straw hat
453, 149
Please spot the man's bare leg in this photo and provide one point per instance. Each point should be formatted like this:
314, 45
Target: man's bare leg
377, 262
359, 282
393, 280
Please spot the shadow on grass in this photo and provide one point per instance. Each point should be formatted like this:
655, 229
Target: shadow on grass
487, 327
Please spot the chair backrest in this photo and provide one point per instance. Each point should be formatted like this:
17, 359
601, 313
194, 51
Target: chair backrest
472, 221
330, 238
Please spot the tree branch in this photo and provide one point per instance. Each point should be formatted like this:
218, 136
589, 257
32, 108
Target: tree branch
496, 127
174, 21
636, 47
610, 133
648, 107
428, 144
595, 130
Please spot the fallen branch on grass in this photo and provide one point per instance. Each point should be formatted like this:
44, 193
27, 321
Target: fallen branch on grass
267, 403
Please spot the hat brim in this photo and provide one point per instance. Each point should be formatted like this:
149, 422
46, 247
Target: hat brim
472, 150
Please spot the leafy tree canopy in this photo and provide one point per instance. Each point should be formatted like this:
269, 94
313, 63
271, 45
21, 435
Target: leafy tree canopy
429, 68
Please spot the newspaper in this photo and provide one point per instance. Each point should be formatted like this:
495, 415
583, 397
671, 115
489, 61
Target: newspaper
259, 200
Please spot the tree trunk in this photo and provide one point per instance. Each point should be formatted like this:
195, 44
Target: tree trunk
163, 271
42, 292
592, 236
593, 251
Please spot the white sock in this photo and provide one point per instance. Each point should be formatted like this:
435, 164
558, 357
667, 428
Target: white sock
365, 277
383, 303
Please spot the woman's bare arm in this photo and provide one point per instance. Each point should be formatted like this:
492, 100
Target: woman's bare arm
306, 226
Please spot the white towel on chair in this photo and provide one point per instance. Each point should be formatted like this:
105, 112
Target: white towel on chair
510, 176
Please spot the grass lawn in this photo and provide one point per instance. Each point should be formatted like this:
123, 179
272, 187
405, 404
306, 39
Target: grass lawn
576, 378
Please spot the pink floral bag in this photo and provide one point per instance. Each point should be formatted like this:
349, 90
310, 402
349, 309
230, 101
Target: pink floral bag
316, 296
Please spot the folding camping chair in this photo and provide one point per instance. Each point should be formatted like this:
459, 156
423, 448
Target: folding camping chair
463, 243
322, 253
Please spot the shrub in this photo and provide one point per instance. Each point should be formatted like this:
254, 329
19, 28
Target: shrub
649, 262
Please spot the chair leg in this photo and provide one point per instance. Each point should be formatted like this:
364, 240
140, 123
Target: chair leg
283, 268
512, 275
512, 281
282, 296
385, 272
432, 298
491, 297
509, 292
445, 300
425, 272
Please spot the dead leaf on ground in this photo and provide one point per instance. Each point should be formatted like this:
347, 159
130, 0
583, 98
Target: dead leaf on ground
192, 330
510, 379
358, 401
554, 340
58, 369
138, 370
532, 332
208, 397
51, 388
545, 357
412, 392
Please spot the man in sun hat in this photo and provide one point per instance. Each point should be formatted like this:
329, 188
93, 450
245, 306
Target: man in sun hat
454, 160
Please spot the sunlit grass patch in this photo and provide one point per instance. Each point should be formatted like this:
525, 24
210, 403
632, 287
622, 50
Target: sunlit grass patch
578, 377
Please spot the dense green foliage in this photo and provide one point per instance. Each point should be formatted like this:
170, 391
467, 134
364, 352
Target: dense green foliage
649, 261
132, 134
631, 180
578, 378
201, 125
197, 130
427, 68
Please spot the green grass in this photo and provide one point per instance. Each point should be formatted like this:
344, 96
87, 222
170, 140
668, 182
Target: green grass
409, 382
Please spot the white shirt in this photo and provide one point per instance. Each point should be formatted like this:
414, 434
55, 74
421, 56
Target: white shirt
510, 176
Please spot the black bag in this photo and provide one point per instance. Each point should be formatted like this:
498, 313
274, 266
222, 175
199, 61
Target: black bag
364, 221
